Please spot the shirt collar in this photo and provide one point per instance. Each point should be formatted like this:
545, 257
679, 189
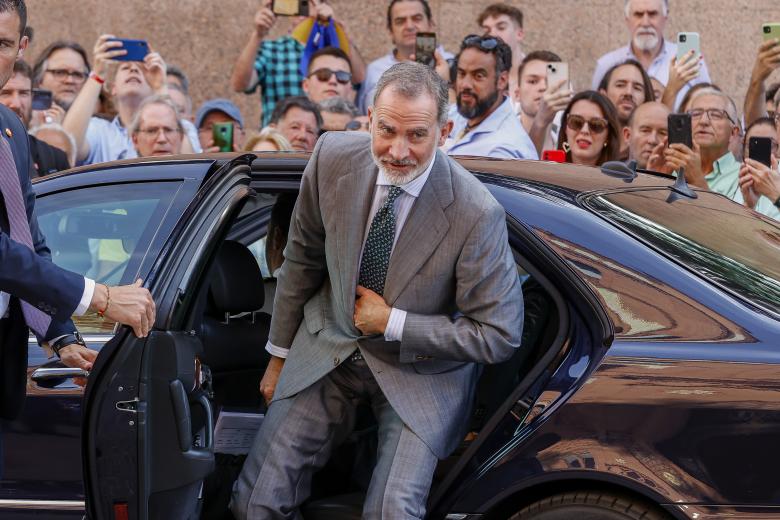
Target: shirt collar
413, 187
492, 123
724, 166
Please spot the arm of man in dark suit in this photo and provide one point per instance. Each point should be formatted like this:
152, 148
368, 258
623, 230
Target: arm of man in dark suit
304, 268
489, 298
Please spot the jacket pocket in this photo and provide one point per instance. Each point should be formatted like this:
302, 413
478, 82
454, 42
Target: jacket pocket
313, 314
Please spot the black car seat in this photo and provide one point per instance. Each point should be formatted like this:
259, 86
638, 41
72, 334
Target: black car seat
234, 330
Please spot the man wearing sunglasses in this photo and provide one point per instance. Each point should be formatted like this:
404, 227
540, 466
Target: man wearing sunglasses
330, 75
485, 124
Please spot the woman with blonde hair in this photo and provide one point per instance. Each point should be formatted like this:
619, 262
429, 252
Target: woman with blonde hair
267, 140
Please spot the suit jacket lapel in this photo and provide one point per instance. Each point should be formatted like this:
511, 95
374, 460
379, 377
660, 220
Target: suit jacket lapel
423, 231
353, 195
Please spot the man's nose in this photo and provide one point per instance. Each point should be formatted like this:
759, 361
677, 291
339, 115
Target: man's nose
399, 149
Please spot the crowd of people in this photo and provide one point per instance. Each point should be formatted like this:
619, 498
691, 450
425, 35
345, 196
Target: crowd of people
314, 79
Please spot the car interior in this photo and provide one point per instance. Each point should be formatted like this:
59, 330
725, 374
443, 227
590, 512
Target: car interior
233, 314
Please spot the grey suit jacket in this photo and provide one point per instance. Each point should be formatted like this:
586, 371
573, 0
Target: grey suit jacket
451, 270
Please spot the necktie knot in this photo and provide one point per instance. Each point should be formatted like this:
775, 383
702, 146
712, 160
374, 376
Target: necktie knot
395, 192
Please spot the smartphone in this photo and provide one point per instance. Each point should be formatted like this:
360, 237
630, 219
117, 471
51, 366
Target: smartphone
771, 30
760, 149
679, 128
558, 156
424, 47
41, 99
687, 41
223, 136
136, 49
291, 7
557, 72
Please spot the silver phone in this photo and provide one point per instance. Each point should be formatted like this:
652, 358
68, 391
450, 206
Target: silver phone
687, 41
556, 72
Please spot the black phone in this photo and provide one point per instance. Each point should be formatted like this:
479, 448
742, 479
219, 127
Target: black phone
41, 99
291, 7
424, 48
760, 149
136, 49
679, 127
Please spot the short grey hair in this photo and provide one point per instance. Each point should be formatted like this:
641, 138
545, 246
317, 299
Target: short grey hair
411, 80
664, 5
55, 127
731, 107
337, 105
157, 99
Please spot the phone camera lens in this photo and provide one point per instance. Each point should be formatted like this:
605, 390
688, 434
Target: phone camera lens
767, 30
683, 38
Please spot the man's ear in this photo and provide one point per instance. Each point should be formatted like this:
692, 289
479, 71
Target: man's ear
445, 132
603, 92
23, 43
305, 85
503, 81
520, 34
626, 134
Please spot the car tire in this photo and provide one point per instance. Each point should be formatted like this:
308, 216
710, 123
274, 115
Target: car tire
589, 505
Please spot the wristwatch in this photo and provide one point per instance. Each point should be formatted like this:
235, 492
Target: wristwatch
66, 340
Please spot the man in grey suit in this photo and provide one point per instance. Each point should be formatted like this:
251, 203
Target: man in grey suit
397, 283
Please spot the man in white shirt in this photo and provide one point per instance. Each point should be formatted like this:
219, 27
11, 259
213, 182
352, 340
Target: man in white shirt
646, 21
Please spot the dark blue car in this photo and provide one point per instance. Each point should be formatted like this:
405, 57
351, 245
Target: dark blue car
648, 384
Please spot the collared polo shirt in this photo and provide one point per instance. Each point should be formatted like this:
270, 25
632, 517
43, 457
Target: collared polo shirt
724, 179
500, 135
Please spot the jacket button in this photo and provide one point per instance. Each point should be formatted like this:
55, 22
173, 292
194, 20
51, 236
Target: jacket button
420, 358
336, 361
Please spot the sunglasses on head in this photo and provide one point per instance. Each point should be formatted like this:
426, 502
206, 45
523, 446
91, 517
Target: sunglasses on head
355, 125
486, 43
596, 125
325, 74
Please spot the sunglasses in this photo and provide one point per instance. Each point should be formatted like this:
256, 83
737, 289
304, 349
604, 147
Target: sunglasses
596, 125
486, 43
325, 75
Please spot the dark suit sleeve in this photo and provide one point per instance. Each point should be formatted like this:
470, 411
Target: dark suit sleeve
489, 297
30, 275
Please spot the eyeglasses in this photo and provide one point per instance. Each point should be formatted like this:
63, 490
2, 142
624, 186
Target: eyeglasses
715, 114
486, 43
170, 133
325, 75
65, 73
596, 125
355, 125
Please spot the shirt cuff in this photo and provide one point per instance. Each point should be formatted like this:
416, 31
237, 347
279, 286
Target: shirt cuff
276, 351
86, 297
395, 325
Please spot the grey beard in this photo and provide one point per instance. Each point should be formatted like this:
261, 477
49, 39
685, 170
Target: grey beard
646, 42
396, 179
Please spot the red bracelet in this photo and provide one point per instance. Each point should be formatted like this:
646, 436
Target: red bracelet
102, 313
97, 78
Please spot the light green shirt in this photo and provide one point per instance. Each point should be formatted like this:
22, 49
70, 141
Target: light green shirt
724, 179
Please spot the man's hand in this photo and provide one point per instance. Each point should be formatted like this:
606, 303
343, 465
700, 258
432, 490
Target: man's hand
320, 10
768, 59
105, 51
264, 20
155, 72
554, 100
270, 378
657, 161
78, 356
131, 305
371, 312
765, 180
678, 156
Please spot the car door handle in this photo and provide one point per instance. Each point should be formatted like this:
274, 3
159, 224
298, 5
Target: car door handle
42, 374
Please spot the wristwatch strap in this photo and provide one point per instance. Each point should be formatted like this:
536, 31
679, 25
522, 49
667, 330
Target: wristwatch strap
66, 340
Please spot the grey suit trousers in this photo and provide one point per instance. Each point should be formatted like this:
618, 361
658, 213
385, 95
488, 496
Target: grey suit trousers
298, 435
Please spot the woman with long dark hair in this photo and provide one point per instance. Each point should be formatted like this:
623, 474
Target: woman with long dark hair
590, 134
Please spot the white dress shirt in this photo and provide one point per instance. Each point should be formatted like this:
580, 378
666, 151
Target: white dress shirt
403, 206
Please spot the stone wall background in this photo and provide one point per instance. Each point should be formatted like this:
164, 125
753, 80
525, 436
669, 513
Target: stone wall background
205, 37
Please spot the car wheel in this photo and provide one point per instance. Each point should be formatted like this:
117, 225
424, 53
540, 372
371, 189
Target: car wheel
589, 505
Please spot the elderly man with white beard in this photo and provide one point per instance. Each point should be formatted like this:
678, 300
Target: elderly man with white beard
646, 20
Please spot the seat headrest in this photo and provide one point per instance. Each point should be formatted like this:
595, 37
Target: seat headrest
236, 281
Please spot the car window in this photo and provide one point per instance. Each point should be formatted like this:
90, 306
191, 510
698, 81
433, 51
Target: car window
722, 241
103, 232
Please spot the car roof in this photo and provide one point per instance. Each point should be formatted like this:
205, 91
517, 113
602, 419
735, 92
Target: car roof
572, 177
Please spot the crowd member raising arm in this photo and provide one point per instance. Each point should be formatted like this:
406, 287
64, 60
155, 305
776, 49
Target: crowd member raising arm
767, 61
98, 140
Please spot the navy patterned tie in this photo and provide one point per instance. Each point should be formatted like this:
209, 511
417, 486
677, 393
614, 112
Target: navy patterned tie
11, 190
379, 244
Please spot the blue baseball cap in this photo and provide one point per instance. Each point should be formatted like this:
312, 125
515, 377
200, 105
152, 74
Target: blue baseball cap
220, 105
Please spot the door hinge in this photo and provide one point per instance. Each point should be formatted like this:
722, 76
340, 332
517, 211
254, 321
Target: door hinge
128, 406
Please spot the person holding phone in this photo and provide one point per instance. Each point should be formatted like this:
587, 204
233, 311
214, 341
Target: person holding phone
759, 183
646, 21
16, 94
274, 64
219, 112
99, 140
767, 61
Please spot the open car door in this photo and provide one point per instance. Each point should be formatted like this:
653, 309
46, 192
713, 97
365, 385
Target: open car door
148, 422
